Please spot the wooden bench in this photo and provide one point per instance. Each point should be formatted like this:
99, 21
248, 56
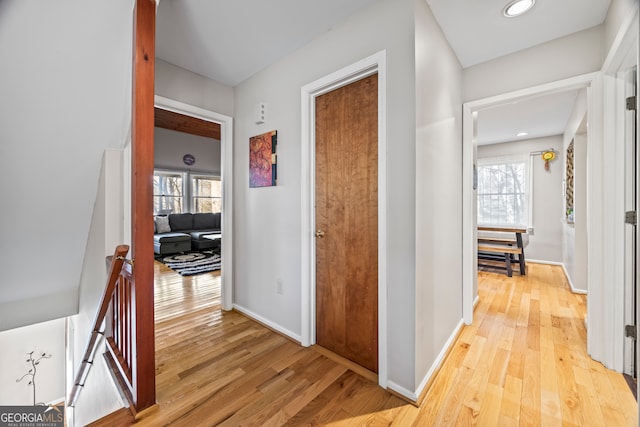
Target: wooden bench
498, 251
497, 241
501, 252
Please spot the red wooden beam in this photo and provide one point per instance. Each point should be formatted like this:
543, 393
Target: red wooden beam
143, 346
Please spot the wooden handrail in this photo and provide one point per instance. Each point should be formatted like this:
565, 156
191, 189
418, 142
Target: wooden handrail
87, 359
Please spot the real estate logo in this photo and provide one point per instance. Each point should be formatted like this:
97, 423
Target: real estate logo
38, 414
32, 416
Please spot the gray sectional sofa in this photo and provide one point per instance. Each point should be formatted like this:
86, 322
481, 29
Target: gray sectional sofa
185, 232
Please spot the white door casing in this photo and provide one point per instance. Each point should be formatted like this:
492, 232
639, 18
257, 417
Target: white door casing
226, 172
367, 66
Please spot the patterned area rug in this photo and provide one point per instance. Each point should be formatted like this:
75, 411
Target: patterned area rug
190, 263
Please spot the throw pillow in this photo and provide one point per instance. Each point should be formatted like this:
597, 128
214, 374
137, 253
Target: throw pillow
162, 224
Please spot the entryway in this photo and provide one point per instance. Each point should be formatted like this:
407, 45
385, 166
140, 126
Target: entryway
226, 163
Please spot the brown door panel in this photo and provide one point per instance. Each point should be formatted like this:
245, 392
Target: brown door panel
347, 213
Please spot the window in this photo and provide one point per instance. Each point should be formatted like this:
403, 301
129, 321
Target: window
167, 193
178, 192
206, 194
502, 192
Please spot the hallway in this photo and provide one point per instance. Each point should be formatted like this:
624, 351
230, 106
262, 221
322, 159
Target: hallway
523, 362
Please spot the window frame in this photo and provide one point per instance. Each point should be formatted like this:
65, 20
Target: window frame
188, 204
167, 172
191, 182
502, 160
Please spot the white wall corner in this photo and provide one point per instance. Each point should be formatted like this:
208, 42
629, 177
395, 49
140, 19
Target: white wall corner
440, 358
596, 340
412, 396
113, 170
268, 323
570, 282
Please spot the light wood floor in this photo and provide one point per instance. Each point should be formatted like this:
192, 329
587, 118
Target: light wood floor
523, 362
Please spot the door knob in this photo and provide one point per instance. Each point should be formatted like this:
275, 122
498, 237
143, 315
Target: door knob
320, 234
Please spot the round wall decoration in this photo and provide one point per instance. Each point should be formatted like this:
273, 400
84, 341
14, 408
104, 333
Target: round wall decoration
547, 156
188, 159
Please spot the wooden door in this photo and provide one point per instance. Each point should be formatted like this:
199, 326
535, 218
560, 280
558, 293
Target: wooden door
347, 221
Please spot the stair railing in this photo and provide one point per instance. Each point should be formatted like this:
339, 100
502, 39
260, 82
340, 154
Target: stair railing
115, 269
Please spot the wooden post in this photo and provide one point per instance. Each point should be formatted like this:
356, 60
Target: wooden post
143, 369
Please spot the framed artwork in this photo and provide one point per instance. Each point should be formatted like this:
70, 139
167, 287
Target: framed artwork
569, 185
262, 160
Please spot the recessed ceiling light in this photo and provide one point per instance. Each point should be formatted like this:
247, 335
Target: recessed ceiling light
522, 134
517, 7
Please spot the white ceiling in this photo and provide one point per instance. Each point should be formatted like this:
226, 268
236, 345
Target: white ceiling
478, 32
539, 117
228, 41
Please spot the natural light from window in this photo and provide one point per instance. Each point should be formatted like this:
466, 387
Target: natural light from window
502, 193
179, 192
167, 193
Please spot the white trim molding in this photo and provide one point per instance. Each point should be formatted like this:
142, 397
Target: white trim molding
440, 359
375, 63
605, 335
226, 172
268, 323
570, 282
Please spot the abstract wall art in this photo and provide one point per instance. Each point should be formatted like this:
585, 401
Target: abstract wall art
262, 160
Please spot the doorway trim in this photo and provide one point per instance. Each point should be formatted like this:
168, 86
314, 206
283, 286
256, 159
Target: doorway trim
469, 129
375, 63
622, 56
226, 172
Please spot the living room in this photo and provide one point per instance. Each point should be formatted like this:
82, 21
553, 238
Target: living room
187, 200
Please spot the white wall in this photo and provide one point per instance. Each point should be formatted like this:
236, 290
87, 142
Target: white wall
545, 243
619, 11
575, 244
569, 56
438, 183
182, 85
99, 397
65, 97
15, 344
267, 228
268, 233
170, 147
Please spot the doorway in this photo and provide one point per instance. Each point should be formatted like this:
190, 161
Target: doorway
374, 64
226, 172
470, 119
347, 221
627, 82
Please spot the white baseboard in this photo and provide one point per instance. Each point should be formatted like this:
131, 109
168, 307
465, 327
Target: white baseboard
268, 323
414, 396
540, 261
573, 288
476, 301
402, 391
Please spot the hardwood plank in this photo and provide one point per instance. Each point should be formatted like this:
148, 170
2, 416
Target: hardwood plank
224, 369
511, 397
118, 418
